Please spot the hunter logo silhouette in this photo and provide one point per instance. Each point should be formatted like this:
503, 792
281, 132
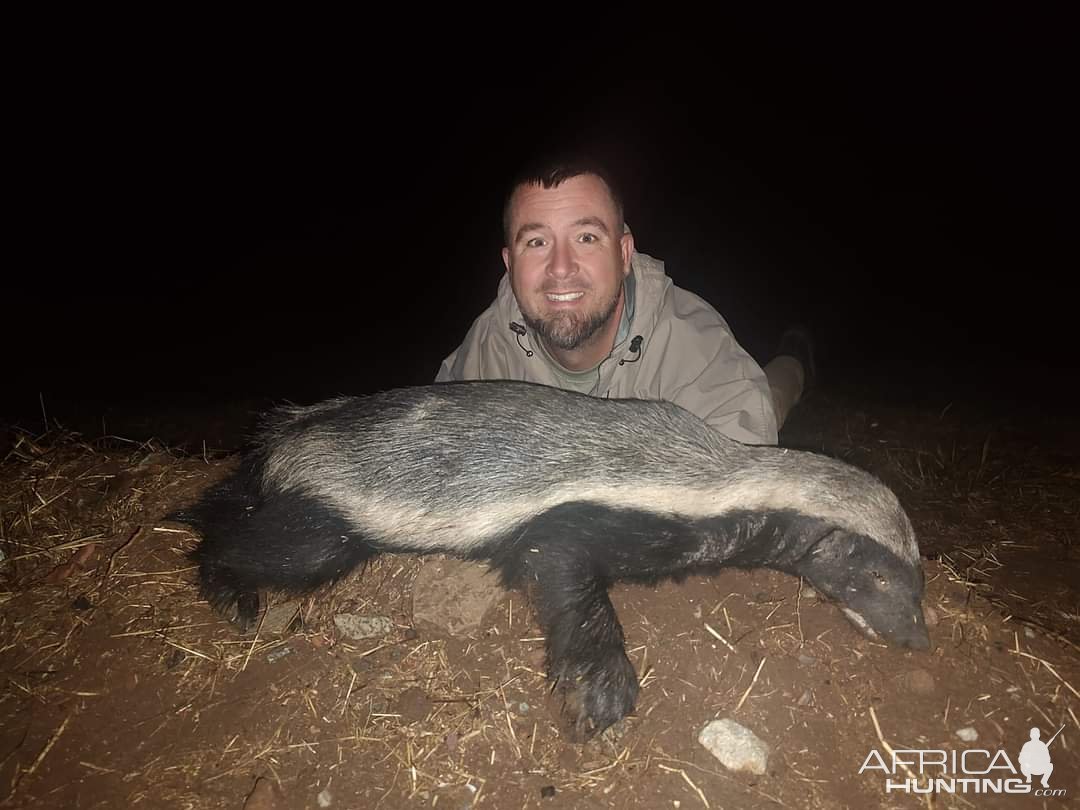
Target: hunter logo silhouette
1035, 757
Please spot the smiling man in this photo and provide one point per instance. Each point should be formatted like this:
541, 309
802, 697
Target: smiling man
580, 308
567, 257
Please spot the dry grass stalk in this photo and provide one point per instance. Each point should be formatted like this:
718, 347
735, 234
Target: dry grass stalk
892, 753
41, 756
1049, 668
746, 694
717, 774
720, 638
68, 546
686, 779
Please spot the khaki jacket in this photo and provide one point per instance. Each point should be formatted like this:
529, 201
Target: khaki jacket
687, 355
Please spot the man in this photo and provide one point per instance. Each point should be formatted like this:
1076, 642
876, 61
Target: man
580, 308
1035, 758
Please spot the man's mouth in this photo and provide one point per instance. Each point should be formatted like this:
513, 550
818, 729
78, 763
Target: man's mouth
570, 296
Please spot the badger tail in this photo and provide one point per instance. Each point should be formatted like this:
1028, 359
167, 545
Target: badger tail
283, 541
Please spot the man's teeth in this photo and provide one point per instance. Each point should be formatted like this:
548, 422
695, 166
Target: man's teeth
564, 296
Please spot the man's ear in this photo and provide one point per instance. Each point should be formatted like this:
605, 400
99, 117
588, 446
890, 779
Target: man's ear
626, 246
506, 258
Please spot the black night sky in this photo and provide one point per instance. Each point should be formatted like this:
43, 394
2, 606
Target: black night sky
203, 237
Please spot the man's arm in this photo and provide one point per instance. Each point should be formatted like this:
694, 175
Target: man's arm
732, 399
705, 370
479, 357
446, 368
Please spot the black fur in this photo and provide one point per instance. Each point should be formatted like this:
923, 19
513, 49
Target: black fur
288, 542
406, 460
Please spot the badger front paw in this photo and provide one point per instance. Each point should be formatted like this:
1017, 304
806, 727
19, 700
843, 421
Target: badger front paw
231, 601
596, 693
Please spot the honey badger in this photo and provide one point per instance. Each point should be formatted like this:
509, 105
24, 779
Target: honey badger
563, 494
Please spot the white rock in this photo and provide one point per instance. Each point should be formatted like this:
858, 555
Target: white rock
737, 748
967, 734
361, 627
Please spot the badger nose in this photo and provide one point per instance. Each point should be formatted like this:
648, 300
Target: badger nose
919, 640
918, 637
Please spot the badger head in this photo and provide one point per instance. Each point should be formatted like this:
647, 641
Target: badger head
877, 590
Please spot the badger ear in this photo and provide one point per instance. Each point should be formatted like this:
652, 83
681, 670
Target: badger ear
826, 563
834, 546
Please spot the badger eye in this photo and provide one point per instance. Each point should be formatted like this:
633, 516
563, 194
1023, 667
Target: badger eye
879, 580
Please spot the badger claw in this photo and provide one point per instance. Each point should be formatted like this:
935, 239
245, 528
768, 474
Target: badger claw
240, 606
595, 694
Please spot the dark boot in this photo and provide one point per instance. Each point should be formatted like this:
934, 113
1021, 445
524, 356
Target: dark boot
796, 342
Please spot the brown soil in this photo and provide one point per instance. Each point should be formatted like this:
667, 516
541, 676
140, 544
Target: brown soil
121, 689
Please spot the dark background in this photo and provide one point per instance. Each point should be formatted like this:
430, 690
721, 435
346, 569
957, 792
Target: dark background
266, 228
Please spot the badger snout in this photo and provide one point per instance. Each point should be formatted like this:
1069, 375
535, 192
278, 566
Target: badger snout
901, 632
917, 637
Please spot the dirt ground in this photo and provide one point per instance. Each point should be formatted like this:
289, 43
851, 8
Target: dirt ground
121, 689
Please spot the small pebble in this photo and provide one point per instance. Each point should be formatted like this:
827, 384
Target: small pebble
280, 618
280, 652
362, 627
265, 796
968, 734
918, 681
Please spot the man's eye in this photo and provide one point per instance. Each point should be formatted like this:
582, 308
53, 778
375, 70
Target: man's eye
588, 238
536, 241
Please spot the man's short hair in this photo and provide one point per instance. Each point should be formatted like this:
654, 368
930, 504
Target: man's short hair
551, 171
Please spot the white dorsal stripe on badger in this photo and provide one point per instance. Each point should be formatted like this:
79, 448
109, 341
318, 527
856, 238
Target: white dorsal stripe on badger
455, 468
387, 517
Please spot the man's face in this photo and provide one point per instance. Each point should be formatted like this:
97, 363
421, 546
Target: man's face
567, 259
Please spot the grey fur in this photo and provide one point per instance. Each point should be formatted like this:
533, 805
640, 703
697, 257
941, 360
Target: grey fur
434, 468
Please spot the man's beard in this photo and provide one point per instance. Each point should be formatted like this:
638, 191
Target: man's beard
570, 330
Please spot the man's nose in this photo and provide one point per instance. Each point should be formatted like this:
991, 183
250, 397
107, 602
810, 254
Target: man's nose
563, 262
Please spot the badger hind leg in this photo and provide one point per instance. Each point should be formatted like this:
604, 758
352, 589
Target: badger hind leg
283, 541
